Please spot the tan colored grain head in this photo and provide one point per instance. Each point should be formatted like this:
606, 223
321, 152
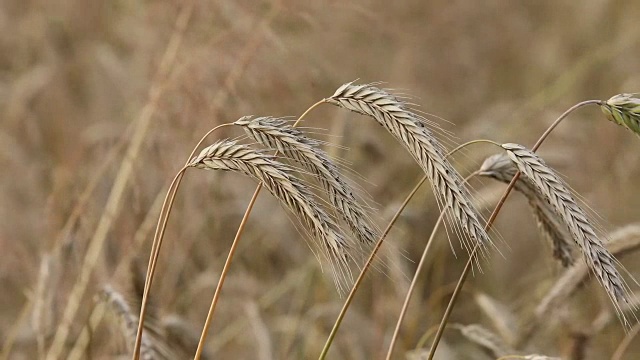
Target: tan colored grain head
501, 168
548, 183
410, 130
293, 143
292, 193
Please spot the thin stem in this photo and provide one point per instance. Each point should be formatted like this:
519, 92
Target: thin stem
225, 270
304, 114
489, 223
153, 257
544, 136
171, 194
163, 219
234, 246
414, 281
478, 141
405, 305
347, 302
447, 312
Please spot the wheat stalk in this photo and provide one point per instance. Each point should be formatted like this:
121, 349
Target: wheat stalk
277, 134
501, 168
597, 257
624, 110
409, 129
293, 194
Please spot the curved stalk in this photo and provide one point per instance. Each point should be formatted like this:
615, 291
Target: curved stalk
163, 219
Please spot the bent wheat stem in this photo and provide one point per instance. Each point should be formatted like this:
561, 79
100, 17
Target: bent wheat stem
478, 141
163, 219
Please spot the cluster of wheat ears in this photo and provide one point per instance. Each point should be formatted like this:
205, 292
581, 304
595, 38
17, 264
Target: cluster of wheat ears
294, 168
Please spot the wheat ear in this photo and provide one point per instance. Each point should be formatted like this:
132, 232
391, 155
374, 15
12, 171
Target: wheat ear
624, 110
292, 193
501, 168
277, 134
409, 129
597, 257
152, 347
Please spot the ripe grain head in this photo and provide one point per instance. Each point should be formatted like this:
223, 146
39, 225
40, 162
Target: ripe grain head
293, 143
278, 178
501, 168
597, 257
410, 130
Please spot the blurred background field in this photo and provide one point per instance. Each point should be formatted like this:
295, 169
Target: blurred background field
76, 77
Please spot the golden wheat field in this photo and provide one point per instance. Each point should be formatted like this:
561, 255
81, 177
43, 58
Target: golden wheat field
103, 102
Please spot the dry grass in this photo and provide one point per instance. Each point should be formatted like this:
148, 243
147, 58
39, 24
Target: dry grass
77, 77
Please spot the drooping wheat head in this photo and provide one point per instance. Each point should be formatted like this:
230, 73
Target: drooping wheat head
153, 347
624, 110
278, 134
597, 257
501, 168
278, 178
410, 130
